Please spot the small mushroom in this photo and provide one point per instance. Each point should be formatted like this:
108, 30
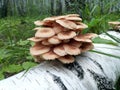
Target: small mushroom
114, 23
85, 37
66, 35
81, 26
66, 59
117, 27
50, 55
38, 49
57, 28
82, 39
73, 18
35, 39
45, 42
54, 40
75, 43
59, 50
73, 15
44, 33
67, 24
54, 18
86, 46
71, 50
43, 23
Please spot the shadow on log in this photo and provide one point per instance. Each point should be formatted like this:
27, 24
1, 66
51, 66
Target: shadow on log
90, 71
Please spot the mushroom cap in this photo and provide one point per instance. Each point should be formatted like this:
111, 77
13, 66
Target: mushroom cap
67, 24
45, 42
75, 43
38, 58
43, 23
44, 32
38, 23
117, 27
114, 23
71, 50
73, 18
35, 39
57, 28
73, 15
50, 55
59, 50
86, 47
81, 25
38, 49
82, 39
85, 37
66, 35
54, 40
66, 59
54, 18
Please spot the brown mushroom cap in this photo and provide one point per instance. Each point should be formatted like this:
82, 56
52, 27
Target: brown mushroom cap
81, 25
59, 50
54, 40
82, 39
44, 32
38, 58
57, 28
117, 27
73, 15
35, 39
50, 55
71, 50
66, 35
85, 37
43, 23
45, 42
38, 23
75, 43
67, 24
38, 49
54, 18
114, 23
73, 18
86, 47
66, 59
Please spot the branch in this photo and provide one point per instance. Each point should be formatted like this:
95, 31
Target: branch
90, 71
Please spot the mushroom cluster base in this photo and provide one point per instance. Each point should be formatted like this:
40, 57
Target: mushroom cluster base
60, 38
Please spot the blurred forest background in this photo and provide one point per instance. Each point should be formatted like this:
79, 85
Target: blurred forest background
17, 21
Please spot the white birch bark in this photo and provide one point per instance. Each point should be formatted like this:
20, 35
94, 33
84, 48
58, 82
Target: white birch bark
90, 71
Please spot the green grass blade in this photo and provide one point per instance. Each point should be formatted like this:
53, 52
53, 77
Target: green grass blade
105, 54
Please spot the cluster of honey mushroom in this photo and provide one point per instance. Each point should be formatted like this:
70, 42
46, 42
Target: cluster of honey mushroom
115, 25
60, 38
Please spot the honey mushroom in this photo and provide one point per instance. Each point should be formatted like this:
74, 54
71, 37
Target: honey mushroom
60, 38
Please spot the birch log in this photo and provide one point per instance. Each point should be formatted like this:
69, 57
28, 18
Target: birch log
90, 71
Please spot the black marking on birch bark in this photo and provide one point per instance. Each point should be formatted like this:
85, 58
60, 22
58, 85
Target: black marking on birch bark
14, 82
58, 81
96, 63
76, 69
37, 82
29, 79
103, 83
35, 72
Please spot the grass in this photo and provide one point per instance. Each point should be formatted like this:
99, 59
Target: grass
14, 51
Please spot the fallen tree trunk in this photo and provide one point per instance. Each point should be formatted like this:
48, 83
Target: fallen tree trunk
90, 71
